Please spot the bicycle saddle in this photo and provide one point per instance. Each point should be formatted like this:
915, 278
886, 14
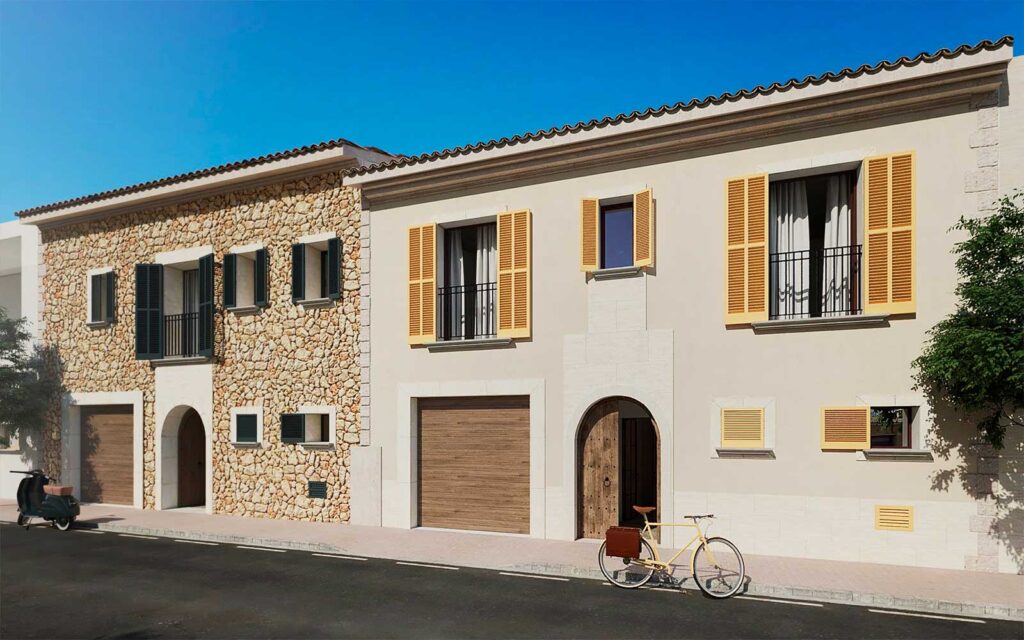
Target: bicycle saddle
643, 510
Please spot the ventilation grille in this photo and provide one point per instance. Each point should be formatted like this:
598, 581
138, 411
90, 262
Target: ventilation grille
742, 428
317, 489
894, 518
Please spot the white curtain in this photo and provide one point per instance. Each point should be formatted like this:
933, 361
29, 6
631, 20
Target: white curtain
789, 231
836, 270
486, 280
455, 300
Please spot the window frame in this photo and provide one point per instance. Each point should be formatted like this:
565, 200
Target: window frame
907, 436
316, 426
314, 277
610, 204
103, 273
238, 411
441, 284
248, 253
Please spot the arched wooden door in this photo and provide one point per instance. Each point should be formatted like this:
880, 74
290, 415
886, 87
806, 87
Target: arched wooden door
598, 470
191, 461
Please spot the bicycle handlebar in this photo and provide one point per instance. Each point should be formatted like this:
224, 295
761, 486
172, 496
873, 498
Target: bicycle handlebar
699, 516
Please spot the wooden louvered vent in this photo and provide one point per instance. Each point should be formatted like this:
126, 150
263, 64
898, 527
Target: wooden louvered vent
894, 517
845, 428
742, 428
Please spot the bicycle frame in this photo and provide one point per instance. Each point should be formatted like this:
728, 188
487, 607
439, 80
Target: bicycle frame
647, 532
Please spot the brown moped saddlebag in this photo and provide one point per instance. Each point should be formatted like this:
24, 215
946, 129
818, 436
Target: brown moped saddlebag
622, 542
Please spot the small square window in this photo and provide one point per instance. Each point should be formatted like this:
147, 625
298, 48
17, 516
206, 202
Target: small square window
890, 427
311, 426
617, 235
245, 428
316, 270
101, 297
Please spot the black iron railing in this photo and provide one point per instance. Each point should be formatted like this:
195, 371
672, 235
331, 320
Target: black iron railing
814, 283
467, 312
181, 335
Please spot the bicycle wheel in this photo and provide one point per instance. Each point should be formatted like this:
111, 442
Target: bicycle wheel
718, 568
627, 572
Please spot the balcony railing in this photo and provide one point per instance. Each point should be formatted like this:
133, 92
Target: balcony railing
814, 283
467, 312
181, 335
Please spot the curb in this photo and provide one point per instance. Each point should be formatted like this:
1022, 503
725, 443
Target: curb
831, 596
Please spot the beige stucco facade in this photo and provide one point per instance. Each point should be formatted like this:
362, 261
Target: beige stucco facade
658, 337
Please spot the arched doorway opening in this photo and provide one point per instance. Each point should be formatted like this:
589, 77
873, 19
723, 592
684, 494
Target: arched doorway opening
183, 459
617, 466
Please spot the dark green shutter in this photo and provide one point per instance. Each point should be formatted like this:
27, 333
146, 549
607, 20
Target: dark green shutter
230, 264
245, 427
325, 427
334, 268
298, 272
206, 306
149, 314
260, 279
96, 311
108, 282
293, 427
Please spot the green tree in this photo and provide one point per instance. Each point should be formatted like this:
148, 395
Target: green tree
29, 387
974, 359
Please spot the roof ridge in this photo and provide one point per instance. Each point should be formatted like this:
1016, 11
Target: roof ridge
828, 76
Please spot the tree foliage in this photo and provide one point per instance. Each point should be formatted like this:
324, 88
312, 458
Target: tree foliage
974, 359
28, 386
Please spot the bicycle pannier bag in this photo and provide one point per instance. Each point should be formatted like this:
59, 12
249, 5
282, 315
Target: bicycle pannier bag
622, 542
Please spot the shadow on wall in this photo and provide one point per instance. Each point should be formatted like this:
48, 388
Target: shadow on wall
994, 478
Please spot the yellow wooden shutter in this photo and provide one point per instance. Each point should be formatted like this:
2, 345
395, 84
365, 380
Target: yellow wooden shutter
422, 283
743, 428
746, 249
643, 228
514, 286
845, 428
589, 235
889, 237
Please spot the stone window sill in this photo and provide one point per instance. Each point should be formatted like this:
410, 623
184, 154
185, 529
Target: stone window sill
745, 453
247, 310
616, 273
171, 362
317, 446
246, 445
460, 345
919, 455
814, 324
315, 303
98, 324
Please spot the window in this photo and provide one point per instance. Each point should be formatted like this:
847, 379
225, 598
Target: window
247, 425
311, 426
814, 256
101, 297
245, 278
891, 427
467, 295
316, 270
617, 236
174, 309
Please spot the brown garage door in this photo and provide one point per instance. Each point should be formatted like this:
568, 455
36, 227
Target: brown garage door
474, 463
107, 450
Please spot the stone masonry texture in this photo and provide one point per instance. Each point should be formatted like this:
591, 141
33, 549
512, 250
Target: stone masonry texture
282, 357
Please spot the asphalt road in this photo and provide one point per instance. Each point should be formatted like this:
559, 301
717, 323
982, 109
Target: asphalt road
81, 584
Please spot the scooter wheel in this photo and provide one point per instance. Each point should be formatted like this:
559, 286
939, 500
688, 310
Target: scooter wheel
63, 524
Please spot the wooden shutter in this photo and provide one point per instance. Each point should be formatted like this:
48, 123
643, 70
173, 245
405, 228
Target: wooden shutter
111, 303
743, 428
422, 283
845, 428
260, 298
590, 235
746, 250
298, 272
514, 274
230, 279
293, 427
206, 294
96, 289
149, 316
889, 236
334, 268
891, 517
643, 228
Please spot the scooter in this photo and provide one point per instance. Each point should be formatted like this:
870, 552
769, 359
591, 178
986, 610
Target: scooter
37, 498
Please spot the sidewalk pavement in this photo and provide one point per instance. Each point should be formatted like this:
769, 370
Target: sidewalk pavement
939, 591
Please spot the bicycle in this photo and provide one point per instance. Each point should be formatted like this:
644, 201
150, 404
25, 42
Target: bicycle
716, 564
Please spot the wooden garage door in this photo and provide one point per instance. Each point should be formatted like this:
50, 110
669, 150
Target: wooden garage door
474, 463
107, 450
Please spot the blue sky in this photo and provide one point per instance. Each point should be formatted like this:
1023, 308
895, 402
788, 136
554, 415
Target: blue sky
99, 95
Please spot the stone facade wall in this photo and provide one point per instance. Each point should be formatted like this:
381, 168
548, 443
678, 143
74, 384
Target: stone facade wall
280, 358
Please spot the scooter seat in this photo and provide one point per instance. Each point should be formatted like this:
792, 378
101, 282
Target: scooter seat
57, 490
